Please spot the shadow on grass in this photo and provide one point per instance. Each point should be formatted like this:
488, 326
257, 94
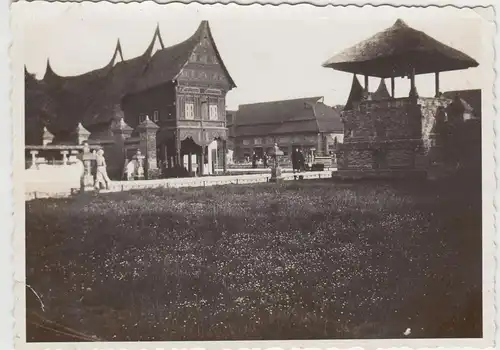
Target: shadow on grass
304, 260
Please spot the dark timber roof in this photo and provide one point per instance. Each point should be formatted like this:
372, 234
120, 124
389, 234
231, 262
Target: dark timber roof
355, 95
303, 115
381, 93
95, 97
393, 51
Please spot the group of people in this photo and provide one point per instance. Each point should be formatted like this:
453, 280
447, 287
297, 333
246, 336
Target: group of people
255, 159
298, 160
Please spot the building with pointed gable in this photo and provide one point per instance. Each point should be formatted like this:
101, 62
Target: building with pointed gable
173, 97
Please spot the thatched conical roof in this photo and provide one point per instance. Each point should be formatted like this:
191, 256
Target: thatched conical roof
396, 50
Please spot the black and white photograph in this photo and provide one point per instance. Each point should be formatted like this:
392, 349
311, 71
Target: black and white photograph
207, 173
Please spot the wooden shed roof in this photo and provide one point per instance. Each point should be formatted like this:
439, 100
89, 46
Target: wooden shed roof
302, 115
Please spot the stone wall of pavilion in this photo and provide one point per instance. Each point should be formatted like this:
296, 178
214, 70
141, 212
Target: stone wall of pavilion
393, 134
433, 112
381, 135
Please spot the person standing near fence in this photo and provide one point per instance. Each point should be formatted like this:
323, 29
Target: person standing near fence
254, 160
295, 160
101, 172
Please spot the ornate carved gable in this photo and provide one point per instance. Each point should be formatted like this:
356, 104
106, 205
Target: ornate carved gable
204, 64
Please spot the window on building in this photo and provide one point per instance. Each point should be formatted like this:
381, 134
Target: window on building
246, 142
204, 110
258, 141
189, 111
213, 112
142, 118
156, 117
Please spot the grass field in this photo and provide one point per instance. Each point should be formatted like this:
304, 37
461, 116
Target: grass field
313, 259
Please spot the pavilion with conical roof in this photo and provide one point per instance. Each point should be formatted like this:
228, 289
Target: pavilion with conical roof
384, 134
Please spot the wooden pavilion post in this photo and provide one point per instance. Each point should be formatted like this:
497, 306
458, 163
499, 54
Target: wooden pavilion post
366, 83
190, 162
202, 165
178, 145
393, 88
436, 76
224, 156
413, 90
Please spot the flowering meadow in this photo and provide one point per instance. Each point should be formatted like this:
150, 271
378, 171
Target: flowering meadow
302, 260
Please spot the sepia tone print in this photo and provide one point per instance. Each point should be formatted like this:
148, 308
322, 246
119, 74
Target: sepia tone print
189, 185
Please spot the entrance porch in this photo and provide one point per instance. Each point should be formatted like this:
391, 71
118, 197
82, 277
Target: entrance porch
187, 156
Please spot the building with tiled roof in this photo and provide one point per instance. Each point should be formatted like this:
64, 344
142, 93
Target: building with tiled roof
306, 123
181, 88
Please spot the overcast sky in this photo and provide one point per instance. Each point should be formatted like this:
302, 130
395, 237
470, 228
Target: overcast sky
272, 53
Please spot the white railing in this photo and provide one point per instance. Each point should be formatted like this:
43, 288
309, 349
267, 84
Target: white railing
118, 186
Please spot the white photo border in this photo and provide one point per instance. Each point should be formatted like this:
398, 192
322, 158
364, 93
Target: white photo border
489, 124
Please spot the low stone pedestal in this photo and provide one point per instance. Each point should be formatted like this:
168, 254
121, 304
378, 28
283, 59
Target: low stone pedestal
275, 174
275, 166
87, 180
88, 183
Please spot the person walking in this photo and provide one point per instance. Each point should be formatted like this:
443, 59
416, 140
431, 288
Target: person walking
101, 172
295, 159
301, 158
264, 160
254, 160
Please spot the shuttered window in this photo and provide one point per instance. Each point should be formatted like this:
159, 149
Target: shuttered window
189, 111
213, 112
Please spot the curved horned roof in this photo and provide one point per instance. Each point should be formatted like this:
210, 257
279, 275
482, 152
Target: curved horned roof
92, 98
